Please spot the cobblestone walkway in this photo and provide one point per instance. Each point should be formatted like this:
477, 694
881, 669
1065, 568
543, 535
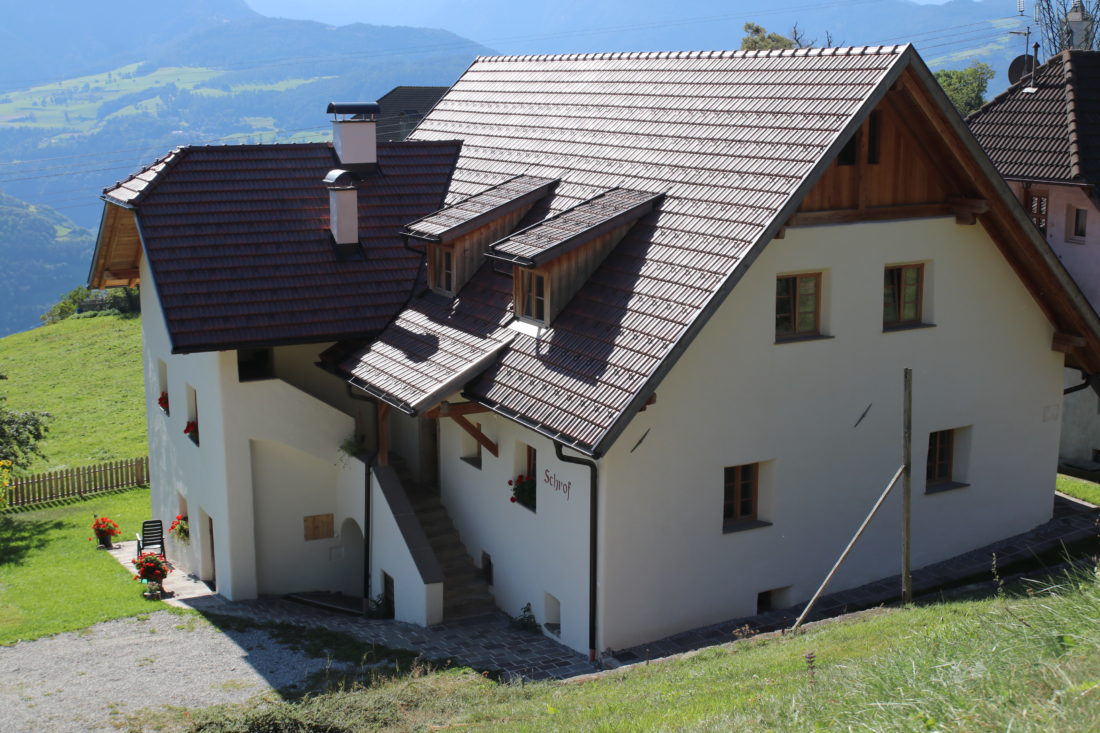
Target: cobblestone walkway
489, 643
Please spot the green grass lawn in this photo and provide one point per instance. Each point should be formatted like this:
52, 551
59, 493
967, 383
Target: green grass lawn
1079, 488
53, 579
1008, 663
87, 373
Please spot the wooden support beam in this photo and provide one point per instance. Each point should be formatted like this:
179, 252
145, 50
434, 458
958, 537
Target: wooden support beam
130, 274
966, 210
1066, 342
446, 409
476, 434
383, 434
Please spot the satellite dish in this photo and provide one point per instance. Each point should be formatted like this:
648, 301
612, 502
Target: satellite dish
1020, 67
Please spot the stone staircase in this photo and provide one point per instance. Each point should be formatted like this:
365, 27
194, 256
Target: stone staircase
465, 592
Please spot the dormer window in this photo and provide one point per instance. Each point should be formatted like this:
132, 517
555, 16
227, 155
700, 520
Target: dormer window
531, 298
441, 274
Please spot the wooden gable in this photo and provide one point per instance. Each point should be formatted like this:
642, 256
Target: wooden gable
118, 250
895, 166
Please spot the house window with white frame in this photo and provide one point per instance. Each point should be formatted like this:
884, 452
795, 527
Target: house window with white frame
1076, 225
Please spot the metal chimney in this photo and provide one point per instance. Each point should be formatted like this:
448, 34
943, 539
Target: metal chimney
354, 135
343, 208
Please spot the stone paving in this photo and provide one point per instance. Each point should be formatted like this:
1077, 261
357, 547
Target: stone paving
488, 643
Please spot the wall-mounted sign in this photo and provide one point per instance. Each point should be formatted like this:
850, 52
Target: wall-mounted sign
552, 480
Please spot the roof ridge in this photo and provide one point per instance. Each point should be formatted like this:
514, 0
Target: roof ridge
169, 160
1071, 115
727, 54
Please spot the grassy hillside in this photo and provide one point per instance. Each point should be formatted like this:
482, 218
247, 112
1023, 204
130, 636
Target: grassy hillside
1025, 663
87, 373
44, 254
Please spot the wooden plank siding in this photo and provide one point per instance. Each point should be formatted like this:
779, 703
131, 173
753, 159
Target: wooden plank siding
905, 174
78, 482
469, 249
566, 274
118, 254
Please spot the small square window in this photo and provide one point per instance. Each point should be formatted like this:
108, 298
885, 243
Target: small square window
523, 485
740, 495
903, 296
471, 449
798, 306
948, 454
255, 364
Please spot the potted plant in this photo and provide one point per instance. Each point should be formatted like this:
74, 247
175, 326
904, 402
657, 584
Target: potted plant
191, 430
523, 491
180, 529
162, 402
105, 529
151, 567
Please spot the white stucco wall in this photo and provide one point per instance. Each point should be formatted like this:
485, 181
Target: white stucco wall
415, 601
1080, 256
1080, 423
533, 553
737, 397
216, 479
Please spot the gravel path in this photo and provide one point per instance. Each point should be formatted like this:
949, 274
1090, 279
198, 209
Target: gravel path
81, 681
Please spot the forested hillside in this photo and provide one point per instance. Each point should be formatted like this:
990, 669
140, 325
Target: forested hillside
44, 255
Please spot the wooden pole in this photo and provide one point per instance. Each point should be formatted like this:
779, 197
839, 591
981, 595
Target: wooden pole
907, 492
848, 549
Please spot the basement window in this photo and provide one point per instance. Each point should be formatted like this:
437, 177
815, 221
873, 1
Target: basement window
946, 463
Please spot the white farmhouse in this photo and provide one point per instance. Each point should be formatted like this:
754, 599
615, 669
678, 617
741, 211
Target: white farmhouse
643, 371
1043, 137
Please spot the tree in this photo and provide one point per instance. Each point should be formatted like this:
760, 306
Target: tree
1057, 35
20, 433
758, 39
966, 87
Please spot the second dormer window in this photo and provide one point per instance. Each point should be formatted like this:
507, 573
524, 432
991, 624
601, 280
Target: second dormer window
443, 269
531, 298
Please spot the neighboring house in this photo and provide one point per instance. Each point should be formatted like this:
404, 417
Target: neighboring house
1043, 135
402, 108
674, 292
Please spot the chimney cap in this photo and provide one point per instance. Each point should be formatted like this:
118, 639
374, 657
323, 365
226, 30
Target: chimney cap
341, 177
357, 109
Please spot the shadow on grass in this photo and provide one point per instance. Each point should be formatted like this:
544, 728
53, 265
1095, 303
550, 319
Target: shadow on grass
351, 663
20, 537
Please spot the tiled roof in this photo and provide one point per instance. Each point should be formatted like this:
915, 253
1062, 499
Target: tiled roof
733, 138
468, 214
401, 108
1052, 133
436, 344
237, 238
573, 227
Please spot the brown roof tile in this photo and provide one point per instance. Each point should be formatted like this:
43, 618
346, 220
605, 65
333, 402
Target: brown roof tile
1051, 133
728, 136
470, 213
237, 238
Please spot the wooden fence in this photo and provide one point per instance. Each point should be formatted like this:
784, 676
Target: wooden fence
69, 482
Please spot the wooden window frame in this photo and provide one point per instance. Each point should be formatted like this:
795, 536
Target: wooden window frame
738, 509
792, 311
898, 284
442, 275
528, 299
1037, 207
940, 463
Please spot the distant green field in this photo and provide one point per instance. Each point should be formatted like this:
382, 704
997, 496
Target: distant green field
87, 374
74, 104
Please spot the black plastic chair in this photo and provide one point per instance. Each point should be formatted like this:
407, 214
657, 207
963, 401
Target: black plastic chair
151, 537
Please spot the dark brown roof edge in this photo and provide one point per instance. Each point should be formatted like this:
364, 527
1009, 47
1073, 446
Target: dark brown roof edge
266, 343
1071, 117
